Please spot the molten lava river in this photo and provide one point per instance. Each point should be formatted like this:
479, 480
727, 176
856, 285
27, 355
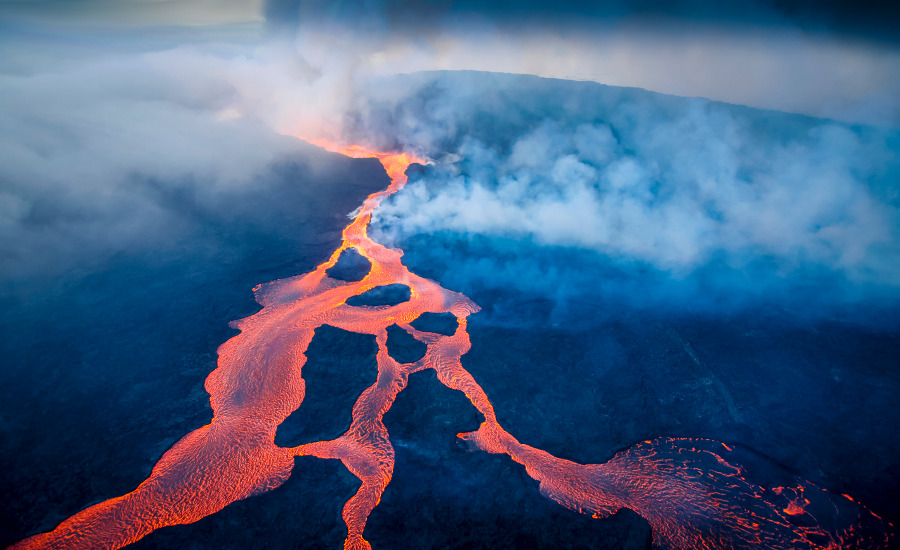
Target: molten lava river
689, 490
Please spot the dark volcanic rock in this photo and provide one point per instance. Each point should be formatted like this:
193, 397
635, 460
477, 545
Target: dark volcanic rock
334, 380
306, 508
444, 496
385, 295
439, 323
351, 266
402, 347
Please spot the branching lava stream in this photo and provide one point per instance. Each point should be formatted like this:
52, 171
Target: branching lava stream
692, 496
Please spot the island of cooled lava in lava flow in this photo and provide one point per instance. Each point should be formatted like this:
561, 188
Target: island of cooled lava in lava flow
559, 313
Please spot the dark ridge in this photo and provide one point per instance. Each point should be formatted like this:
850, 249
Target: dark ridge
450, 497
439, 323
351, 267
385, 295
333, 383
402, 347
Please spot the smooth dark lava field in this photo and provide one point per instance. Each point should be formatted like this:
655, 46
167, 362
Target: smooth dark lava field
458, 388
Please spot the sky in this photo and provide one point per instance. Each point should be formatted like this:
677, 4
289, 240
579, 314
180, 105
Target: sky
836, 59
136, 13
833, 59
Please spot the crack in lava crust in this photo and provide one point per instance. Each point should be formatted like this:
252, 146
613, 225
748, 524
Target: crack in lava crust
690, 494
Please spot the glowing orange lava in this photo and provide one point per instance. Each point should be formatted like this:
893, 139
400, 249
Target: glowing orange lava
686, 488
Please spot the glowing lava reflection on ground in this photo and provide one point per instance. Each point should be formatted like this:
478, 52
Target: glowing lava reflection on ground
687, 489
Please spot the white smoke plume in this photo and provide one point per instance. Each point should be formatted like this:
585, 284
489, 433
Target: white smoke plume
694, 188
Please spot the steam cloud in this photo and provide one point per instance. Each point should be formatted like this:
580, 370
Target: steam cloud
689, 200
109, 153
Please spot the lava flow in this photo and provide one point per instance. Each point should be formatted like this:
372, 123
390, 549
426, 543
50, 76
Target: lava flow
692, 496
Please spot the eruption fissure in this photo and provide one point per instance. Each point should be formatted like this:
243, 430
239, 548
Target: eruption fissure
688, 490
